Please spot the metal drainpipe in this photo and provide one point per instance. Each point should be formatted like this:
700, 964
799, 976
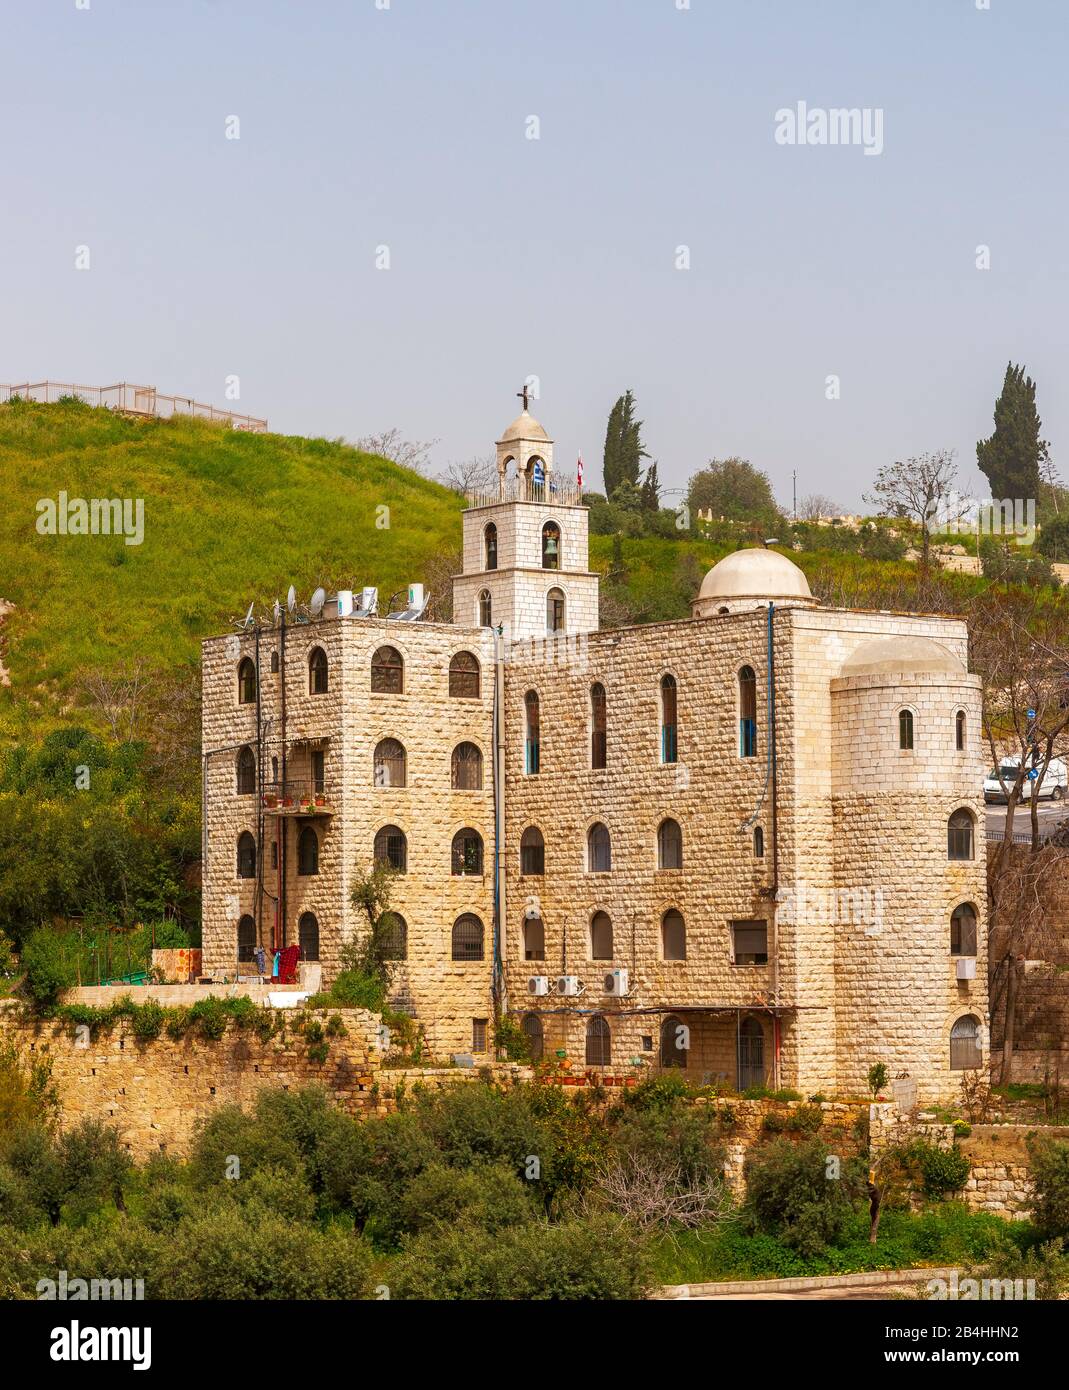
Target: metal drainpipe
775, 844
498, 988
283, 833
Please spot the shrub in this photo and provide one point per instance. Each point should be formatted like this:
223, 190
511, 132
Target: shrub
489, 1196
47, 965
877, 1077
940, 1171
1049, 1162
657, 1092
510, 1039
790, 1194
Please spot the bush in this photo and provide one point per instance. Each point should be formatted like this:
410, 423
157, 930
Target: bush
1049, 1162
940, 1171
657, 1092
489, 1196
789, 1194
47, 964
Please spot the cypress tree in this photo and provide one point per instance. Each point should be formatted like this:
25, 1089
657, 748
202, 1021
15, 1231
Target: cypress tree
622, 461
1012, 456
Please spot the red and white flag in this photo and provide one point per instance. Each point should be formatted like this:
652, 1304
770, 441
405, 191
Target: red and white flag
579, 471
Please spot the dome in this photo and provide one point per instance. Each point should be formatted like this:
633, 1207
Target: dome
754, 573
913, 655
525, 426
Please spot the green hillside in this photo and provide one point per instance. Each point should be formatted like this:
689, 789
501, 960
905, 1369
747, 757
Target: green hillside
228, 518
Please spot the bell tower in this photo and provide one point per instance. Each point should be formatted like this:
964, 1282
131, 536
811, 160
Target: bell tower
526, 548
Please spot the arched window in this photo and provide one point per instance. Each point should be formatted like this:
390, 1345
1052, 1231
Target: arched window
533, 1032
490, 547
960, 835
675, 1042
246, 939
532, 851
467, 768
963, 930
669, 845
598, 850
668, 719
246, 682
965, 1044
393, 937
959, 730
390, 763
391, 848
751, 1043
246, 771
486, 612
758, 842
601, 936
555, 610
317, 672
246, 855
598, 1042
747, 713
387, 672
598, 725
468, 938
274, 663
464, 676
532, 759
307, 851
673, 936
905, 728
467, 856
534, 939
551, 546
308, 936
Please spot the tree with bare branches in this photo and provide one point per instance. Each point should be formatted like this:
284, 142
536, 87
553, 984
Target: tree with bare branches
922, 490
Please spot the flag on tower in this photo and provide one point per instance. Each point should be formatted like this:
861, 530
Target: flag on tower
579, 471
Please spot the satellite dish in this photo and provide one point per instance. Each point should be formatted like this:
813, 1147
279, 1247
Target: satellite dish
291, 599
248, 615
317, 601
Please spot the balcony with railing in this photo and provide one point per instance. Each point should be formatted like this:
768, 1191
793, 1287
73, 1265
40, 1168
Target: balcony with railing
550, 490
299, 796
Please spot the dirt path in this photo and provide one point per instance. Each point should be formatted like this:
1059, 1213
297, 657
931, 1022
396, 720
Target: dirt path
5, 608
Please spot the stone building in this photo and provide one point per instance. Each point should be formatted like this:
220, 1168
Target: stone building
748, 843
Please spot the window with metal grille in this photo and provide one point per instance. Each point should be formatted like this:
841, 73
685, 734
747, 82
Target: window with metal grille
598, 1042
387, 672
749, 943
490, 544
317, 672
478, 1034
599, 719
673, 936
308, 851
246, 771
669, 845
675, 1043
555, 611
959, 730
965, 1053
246, 855
486, 611
319, 776
601, 936
960, 835
905, 728
246, 682
391, 848
393, 937
532, 851
308, 936
464, 676
532, 746
468, 938
535, 1035
668, 719
274, 663
551, 546
963, 930
598, 850
246, 939
390, 763
467, 768
747, 713
467, 856
534, 939
758, 842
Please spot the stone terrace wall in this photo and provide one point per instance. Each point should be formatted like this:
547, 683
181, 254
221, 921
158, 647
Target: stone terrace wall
1000, 1180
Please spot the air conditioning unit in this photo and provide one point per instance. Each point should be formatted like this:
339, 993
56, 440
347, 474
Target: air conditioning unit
966, 967
533, 911
568, 984
615, 983
538, 984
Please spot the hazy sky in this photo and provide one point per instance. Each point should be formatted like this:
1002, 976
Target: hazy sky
407, 127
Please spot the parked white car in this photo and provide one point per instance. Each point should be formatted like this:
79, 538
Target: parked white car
1054, 786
